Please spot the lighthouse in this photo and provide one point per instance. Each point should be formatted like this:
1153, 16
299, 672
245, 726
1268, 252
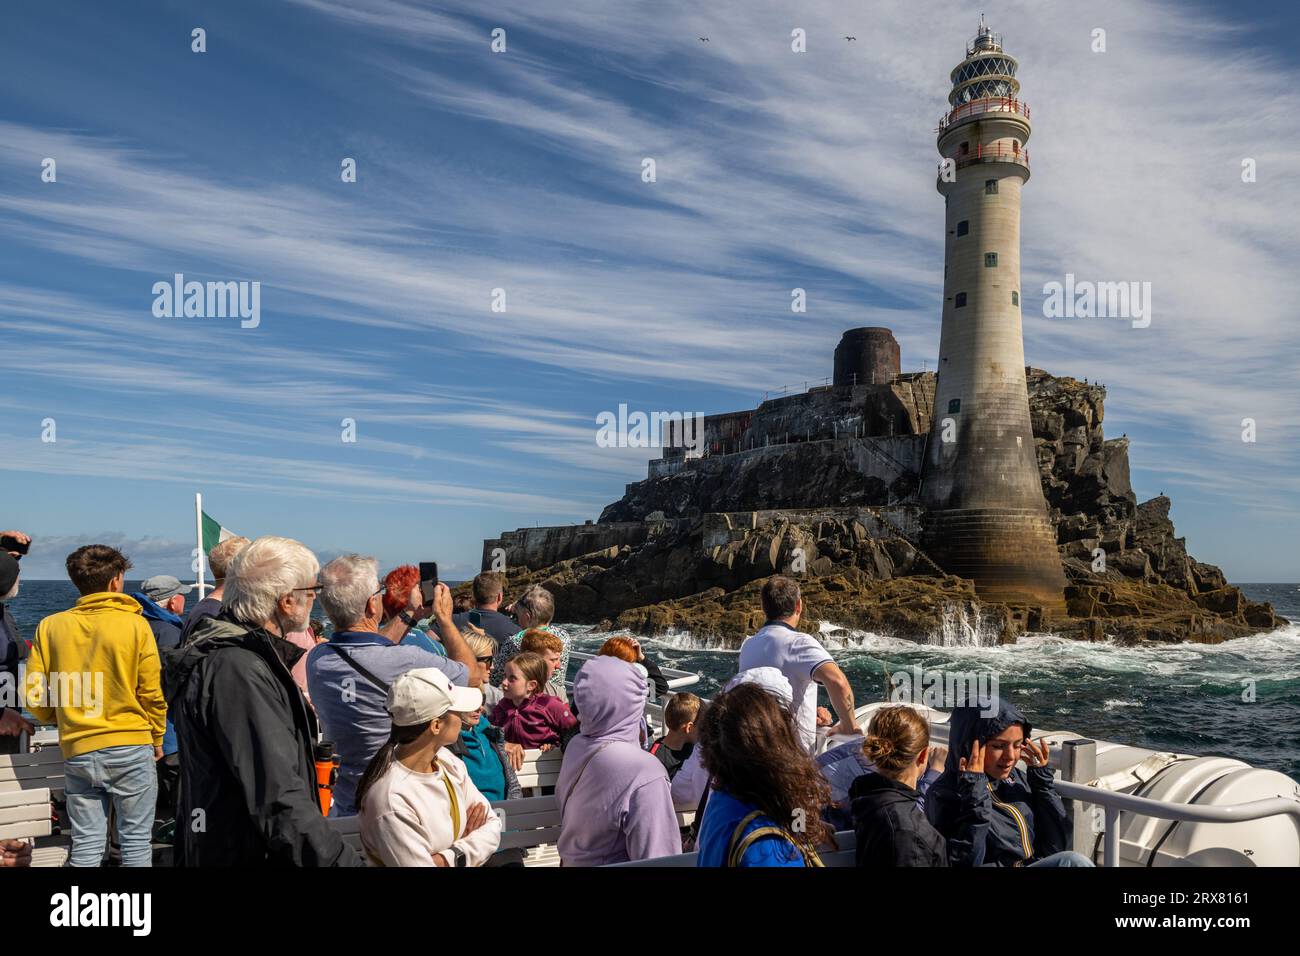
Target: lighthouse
986, 516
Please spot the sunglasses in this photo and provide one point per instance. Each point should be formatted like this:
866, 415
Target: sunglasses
313, 588
484, 660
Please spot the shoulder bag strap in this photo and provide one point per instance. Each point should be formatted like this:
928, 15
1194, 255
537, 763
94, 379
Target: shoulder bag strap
358, 668
455, 802
739, 845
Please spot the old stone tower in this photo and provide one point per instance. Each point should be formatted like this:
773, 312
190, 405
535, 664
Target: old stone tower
986, 518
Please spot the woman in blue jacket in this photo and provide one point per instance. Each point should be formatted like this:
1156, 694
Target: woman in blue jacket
482, 748
767, 795
990, 812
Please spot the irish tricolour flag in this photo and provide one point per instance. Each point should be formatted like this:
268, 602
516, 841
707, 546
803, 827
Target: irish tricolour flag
213, 532
208, 533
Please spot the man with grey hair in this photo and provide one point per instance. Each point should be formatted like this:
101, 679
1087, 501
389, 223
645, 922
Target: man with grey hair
247, 736
162, 599
219, 558
348, 677
534, 608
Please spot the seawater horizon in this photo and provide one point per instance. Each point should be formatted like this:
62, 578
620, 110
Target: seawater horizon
1188, 698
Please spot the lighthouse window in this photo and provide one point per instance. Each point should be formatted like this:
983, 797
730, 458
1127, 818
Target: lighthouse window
963, 227
990, 260
991, 187
1015, 298
954, 405
959, 302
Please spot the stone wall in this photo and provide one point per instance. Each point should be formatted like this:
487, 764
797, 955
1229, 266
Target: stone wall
534, 548
902, 407
806, 474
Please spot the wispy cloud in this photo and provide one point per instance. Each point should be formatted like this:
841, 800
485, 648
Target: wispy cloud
522, 170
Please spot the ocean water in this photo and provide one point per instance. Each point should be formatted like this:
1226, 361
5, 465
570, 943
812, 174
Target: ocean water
1191, 698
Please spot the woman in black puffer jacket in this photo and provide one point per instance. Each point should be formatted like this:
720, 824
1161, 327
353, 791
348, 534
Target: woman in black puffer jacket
892, 829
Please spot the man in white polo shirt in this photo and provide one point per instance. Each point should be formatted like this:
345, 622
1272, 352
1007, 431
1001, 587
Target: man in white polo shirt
801, 658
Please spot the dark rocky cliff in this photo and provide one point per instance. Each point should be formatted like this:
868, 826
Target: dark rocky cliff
825, 496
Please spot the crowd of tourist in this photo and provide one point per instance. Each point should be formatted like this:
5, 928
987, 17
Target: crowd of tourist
245, 733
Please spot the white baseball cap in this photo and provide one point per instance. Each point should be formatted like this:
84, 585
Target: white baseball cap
420, 695
769, 679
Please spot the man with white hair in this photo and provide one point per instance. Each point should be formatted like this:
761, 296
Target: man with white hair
248, 778
349, 676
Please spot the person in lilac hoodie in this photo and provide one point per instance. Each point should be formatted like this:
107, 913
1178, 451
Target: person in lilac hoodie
615, 804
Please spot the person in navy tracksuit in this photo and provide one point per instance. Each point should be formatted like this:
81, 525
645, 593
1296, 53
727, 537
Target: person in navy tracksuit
990, 812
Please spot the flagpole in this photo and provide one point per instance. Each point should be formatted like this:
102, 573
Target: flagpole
198, 535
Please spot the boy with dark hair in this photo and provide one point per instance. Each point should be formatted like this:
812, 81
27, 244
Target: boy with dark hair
681, 715
100, 647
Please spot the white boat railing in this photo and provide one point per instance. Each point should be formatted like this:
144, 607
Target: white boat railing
1079, 760
676, 679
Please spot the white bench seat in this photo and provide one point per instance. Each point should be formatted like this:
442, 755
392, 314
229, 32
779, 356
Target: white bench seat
539, 770
39, 770
25, 813
52, 852
28, 782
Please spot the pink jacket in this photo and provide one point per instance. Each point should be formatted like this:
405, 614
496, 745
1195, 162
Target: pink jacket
538, 720
306, 641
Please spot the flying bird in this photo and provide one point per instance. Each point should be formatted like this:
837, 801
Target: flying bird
704, 39
850, 38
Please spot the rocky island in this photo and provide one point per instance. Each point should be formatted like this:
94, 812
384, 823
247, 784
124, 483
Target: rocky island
826, 486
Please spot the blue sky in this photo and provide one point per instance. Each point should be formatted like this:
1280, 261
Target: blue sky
521, 170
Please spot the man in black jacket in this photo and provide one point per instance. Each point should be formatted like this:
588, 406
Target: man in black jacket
248, 781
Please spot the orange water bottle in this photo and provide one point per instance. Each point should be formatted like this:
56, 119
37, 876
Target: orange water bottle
327, 774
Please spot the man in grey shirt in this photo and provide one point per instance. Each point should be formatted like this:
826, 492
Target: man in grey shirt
348, 677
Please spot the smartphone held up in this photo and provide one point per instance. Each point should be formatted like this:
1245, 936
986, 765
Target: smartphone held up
428, 580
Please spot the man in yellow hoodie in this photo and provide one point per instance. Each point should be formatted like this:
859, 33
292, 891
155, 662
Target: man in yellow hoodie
94, 670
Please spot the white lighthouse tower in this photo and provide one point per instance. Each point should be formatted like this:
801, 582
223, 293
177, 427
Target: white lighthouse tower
986, 515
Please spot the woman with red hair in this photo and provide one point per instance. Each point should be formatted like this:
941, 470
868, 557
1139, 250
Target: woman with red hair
629, 649
398, 584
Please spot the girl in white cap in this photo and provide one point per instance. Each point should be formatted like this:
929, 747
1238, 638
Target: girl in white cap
417, 803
